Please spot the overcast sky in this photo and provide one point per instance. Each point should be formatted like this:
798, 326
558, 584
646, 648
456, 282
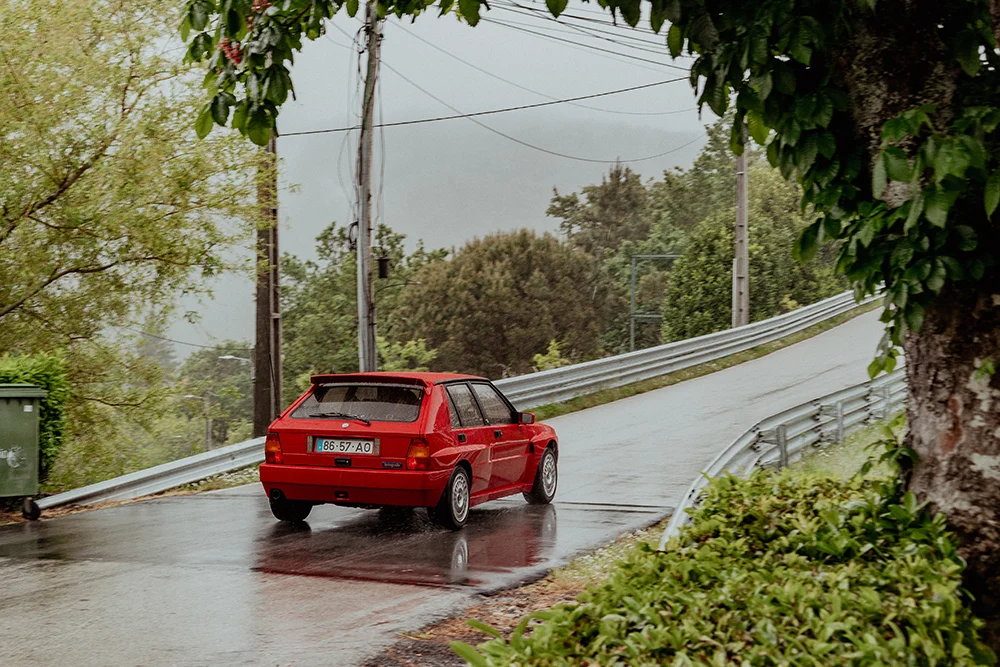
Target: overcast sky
450, 181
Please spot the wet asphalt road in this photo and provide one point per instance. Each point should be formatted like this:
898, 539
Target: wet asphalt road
213, 580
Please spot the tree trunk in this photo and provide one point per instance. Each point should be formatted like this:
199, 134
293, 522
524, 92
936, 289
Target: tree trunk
954, 427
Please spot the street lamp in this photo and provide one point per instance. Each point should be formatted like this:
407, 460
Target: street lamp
235, 358
208, 415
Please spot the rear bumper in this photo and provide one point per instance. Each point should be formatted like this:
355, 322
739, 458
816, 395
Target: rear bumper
409, 488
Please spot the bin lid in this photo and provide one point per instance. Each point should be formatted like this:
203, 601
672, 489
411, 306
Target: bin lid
22, 391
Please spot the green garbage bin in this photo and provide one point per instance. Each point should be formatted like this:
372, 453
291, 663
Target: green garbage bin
19, 405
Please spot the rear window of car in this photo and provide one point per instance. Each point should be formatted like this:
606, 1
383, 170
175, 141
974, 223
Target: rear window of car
374, 402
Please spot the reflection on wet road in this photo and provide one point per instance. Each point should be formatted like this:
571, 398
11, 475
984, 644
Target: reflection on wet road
213, 579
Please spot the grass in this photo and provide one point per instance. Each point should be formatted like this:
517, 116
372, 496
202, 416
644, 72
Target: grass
843, 461
617, 393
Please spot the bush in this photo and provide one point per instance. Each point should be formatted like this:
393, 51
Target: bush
778, 569
47, 371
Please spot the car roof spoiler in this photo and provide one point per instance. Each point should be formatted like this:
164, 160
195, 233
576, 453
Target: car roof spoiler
326, 378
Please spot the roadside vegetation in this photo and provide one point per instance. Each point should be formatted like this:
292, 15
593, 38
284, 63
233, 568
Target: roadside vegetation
786, 568
97, 310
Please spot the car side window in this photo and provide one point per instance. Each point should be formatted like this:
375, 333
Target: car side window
461, 401
495, 408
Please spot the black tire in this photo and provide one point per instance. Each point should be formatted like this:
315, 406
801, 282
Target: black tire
452, 511
293, 511
30, 510
546, 480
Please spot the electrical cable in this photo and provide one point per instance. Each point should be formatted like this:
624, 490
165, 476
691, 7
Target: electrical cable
520, 28
590, 32
524, 143
490, 112
536, 92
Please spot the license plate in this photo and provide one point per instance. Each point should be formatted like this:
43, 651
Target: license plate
346, 446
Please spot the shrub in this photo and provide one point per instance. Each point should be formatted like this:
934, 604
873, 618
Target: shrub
777, 569
47, 371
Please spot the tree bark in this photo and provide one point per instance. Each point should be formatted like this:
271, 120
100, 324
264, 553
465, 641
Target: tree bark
954, 427
896, 61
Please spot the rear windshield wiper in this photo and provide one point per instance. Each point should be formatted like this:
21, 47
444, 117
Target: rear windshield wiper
342, 415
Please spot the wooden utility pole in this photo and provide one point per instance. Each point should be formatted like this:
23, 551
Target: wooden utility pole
367, 358
741, 263
267, 400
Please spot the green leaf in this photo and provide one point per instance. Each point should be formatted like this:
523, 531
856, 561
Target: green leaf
954, 267
759, 50
675, 40
220, 109
758, 130
556, 7
935, 281
801, 53
827, 144
967, 52
937, 206
203, 125
806, 152
913, 216
702, 31
198, 15
898, 165
967, 237
914, 316
804, 248
879, 178
875, 367
902, 254
992, 194
469, 9
240, 116
482, 627
517, 637
763, 84
352, 8
469, 654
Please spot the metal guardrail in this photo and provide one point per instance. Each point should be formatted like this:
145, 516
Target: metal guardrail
162, 477
525, 391
561, 384
783, 438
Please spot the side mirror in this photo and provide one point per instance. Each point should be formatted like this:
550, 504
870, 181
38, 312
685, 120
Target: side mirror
526, 417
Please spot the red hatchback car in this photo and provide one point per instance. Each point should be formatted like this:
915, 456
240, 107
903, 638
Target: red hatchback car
441, 441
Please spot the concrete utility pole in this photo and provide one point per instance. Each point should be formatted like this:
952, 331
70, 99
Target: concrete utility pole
267, 400
741, 264
367, 359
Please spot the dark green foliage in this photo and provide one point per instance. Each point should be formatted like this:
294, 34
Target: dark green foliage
227, 384
502, 299
47, 371
778, 569
699, 291
616, 211
319, 301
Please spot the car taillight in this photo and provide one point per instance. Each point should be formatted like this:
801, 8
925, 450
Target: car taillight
272, 448
418, 456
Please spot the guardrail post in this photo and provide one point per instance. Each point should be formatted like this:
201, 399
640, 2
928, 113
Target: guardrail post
840, 422
782, 437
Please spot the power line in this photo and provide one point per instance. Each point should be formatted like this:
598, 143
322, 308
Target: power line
531, 90
490, 112
181, 342
514, 26
524, 143
590, 32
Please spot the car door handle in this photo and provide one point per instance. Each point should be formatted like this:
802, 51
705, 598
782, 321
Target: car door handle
498, 434
461, 437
